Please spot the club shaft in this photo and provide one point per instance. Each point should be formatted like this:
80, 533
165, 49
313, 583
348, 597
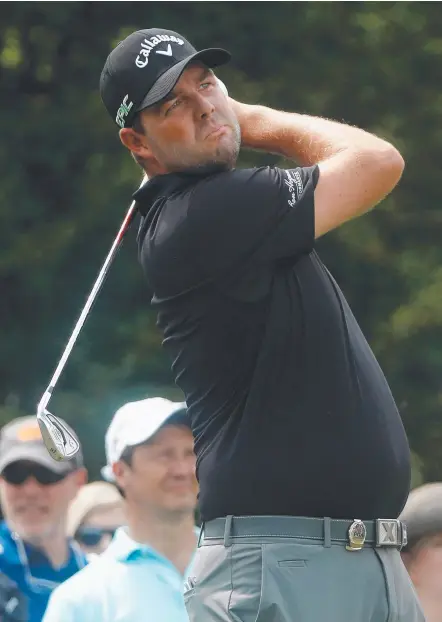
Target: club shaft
89, 302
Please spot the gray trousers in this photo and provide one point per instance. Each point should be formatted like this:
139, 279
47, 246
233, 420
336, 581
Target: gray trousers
280, 578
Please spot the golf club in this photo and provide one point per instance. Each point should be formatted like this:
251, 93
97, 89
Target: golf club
60, 443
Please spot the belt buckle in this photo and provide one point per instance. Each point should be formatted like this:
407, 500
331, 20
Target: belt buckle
357, 532
390, 532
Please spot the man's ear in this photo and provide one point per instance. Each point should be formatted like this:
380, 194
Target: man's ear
139, 147
135, 142
119, 470
78, 479
81, 477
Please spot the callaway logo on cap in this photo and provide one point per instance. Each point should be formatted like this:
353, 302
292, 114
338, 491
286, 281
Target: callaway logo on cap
145, 67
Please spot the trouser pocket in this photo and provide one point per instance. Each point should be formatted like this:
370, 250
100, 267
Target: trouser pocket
311, 583
225, 584
404, 605
209, 586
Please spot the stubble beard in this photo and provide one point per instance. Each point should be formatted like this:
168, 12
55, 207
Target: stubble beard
223, 159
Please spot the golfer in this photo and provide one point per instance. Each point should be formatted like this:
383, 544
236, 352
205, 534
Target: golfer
302, 459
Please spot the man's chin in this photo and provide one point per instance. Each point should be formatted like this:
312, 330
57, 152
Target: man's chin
185, 505
30, 533
224, 159
32, 536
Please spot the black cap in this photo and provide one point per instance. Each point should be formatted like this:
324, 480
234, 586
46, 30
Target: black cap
145, 67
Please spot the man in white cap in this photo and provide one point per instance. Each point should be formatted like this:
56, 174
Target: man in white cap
149, 449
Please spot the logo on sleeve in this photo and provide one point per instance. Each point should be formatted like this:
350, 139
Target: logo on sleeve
294, 185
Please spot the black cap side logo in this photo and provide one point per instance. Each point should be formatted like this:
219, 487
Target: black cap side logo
123, 111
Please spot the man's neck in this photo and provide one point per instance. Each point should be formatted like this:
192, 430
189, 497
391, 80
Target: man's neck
55, 547
173, 536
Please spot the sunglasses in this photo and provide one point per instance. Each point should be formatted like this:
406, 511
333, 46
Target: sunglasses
92, 536
19, 472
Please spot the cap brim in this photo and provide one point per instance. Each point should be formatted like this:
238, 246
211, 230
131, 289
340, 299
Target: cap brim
212, 57
39, 455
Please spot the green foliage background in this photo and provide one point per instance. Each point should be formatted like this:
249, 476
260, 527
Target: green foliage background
65, 182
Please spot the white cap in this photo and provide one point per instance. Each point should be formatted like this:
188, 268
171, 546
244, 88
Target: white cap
135, 423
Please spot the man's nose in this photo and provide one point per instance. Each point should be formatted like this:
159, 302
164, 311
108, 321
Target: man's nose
204, 107
30, 485
182, 467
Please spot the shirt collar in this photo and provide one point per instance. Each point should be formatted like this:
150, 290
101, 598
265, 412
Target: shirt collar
123, 547
166, 185
36, 556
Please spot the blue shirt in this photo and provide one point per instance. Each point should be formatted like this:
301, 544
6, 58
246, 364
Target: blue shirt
129, 582
31, 572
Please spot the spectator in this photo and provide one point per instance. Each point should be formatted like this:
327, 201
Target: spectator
423, 553
35, 492
94, 515
139, 578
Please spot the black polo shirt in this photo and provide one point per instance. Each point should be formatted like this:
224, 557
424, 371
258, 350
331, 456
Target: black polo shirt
290, 410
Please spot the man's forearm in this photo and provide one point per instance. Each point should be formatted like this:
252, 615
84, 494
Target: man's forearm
357, 169
303, 138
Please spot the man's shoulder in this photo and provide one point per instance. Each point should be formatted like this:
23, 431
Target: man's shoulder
219, 181
8, 547
225, 191
13, 602
79, 598
84, 582
5, 531
235, 177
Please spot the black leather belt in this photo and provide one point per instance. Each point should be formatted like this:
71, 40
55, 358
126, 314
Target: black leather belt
382, 532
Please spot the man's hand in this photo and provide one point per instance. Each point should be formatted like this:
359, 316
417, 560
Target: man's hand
247, 117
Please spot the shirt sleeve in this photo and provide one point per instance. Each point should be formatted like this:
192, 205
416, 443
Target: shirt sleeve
251, 216
61, 608
70, 602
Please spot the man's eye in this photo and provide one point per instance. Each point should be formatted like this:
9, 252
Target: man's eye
172, 107
165, 455
205, 85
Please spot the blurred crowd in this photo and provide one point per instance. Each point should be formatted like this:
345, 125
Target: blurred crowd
122, 548
117, 549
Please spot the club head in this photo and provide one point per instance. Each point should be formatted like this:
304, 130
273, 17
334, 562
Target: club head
60, 443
